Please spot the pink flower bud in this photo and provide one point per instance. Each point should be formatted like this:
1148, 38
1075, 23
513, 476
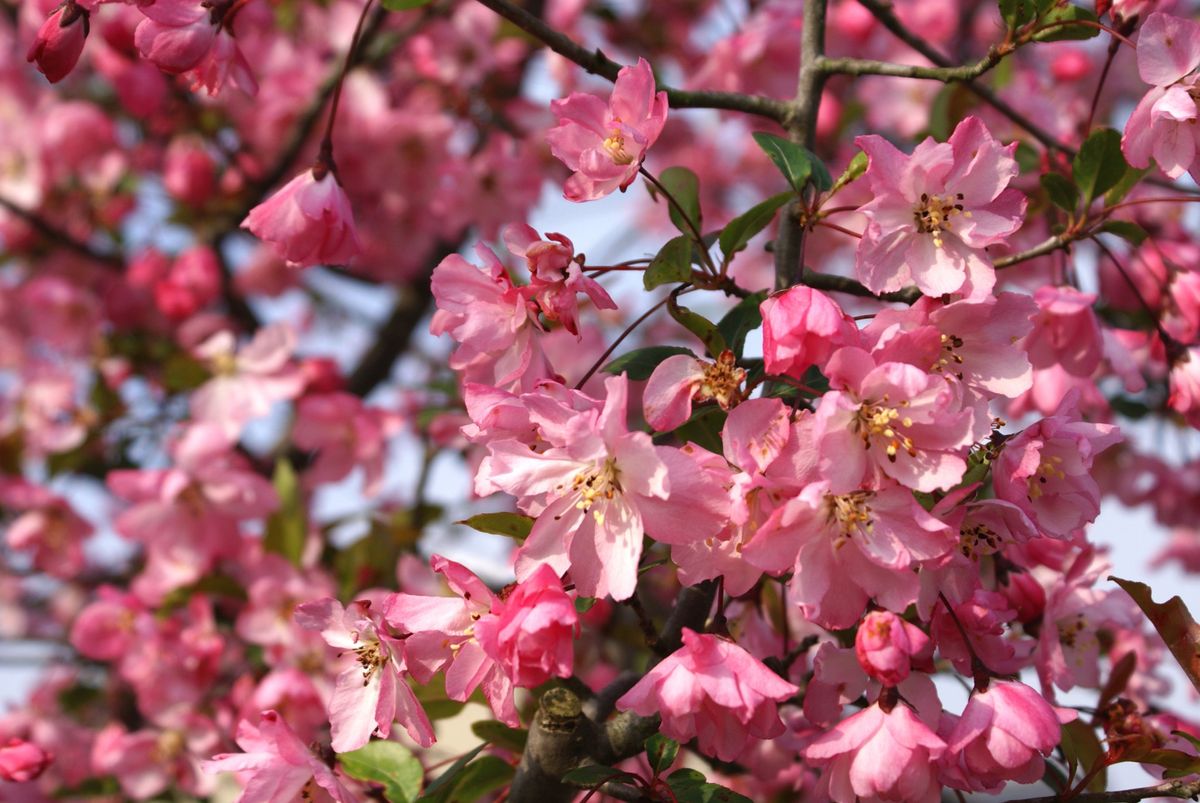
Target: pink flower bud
22, 761
193, 283
801, 328
1071, 65
321, 375
188, 172
1026, 596
886, 644
309, 221
531, 634
59, 42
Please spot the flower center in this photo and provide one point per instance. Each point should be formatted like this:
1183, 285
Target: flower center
601, 482
978, 539
370, 658
169, 746
876, 420
721, 381
615, 146
851, 513
1070, 630
949, 355
934, 213
1047, 469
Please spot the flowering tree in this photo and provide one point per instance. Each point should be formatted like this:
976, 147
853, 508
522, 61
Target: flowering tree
821, 534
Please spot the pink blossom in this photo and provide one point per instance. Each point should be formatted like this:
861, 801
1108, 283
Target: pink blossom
441, 637
345, 434
189, 172
47, 526
176, 34
278, 766
1066, 332
149, 761
490, 318
247, 380
935, 212
605, 143
556, 275
1046, 470
597, 491
22, 761
1185, 385
682, 379
532, 631
712, 690
1163, 125
1002, 735
192, 283
983, 616
801, 328
877, 755
308, 221
225, 61
885, 645
60, 41
894, 420
370, 693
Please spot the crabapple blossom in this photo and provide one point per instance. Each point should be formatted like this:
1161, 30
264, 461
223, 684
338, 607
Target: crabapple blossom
556, 275
713, 691
247, 380
60, 41
308, 221
681, 379
1162, 126
802, 327
885, 645
936, 211
22, 761
605, 143
531, 632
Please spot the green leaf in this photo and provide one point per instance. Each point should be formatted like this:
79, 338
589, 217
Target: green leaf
1126, 230
798, 164
182, 372
1019, 12
1061, 192
1099, 165
584, 604
690, 786
701, 327
1173, 622
1177, 762
443, 786
404, 5
1082, 750
1061, 32
389, 764
741, 230
287, 528
671, 265
513, 525
640, 363
661, 753
685, 189
495, 732
857, 166
704, 428
594, 775
481, 777
1128, 181
740, 321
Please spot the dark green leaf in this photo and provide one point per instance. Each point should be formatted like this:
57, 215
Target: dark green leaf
497, 733
404, 5
513, 525
671, 265
690, 786
741, 230
1128, 181
640, 363
1083, 750
1016, 13
287, 527
701, 327
1126, 230
1060, 31
857, 166
442, 788
740, 321
661, 753
703, 428
389, 764
482, 776
797, 164
685, 189
1173, 622
584, 604
182, 372
1099, 165
594, 775
1061, 192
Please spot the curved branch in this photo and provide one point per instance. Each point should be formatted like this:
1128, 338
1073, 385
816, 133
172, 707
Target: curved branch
967, 72
597, 63
1177, 789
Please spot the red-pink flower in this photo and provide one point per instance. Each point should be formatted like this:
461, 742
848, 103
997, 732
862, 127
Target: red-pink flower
886, 645
278, 767
176, 34
712, 690
556, 275
532, 631
370, 693
22, 761
879, 755
1002, 735
605, 143
60, 41
801, 328
1046, 470
935, 212
309, 220
1163, 125
1185, 385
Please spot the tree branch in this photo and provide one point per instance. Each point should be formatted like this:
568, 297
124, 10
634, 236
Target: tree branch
597, 63
394, 334
967, 72
61, 238
1176, 789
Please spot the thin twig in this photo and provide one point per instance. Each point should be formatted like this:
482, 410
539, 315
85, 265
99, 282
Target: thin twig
1176, 789
966, 72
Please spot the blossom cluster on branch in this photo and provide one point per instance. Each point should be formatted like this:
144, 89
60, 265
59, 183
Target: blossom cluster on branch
786, 484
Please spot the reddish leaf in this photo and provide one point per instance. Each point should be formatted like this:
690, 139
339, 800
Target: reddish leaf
1173, 622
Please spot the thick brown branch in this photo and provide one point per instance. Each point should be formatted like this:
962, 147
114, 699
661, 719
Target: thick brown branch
393, 336
58, 237
1176, 789
597, 63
